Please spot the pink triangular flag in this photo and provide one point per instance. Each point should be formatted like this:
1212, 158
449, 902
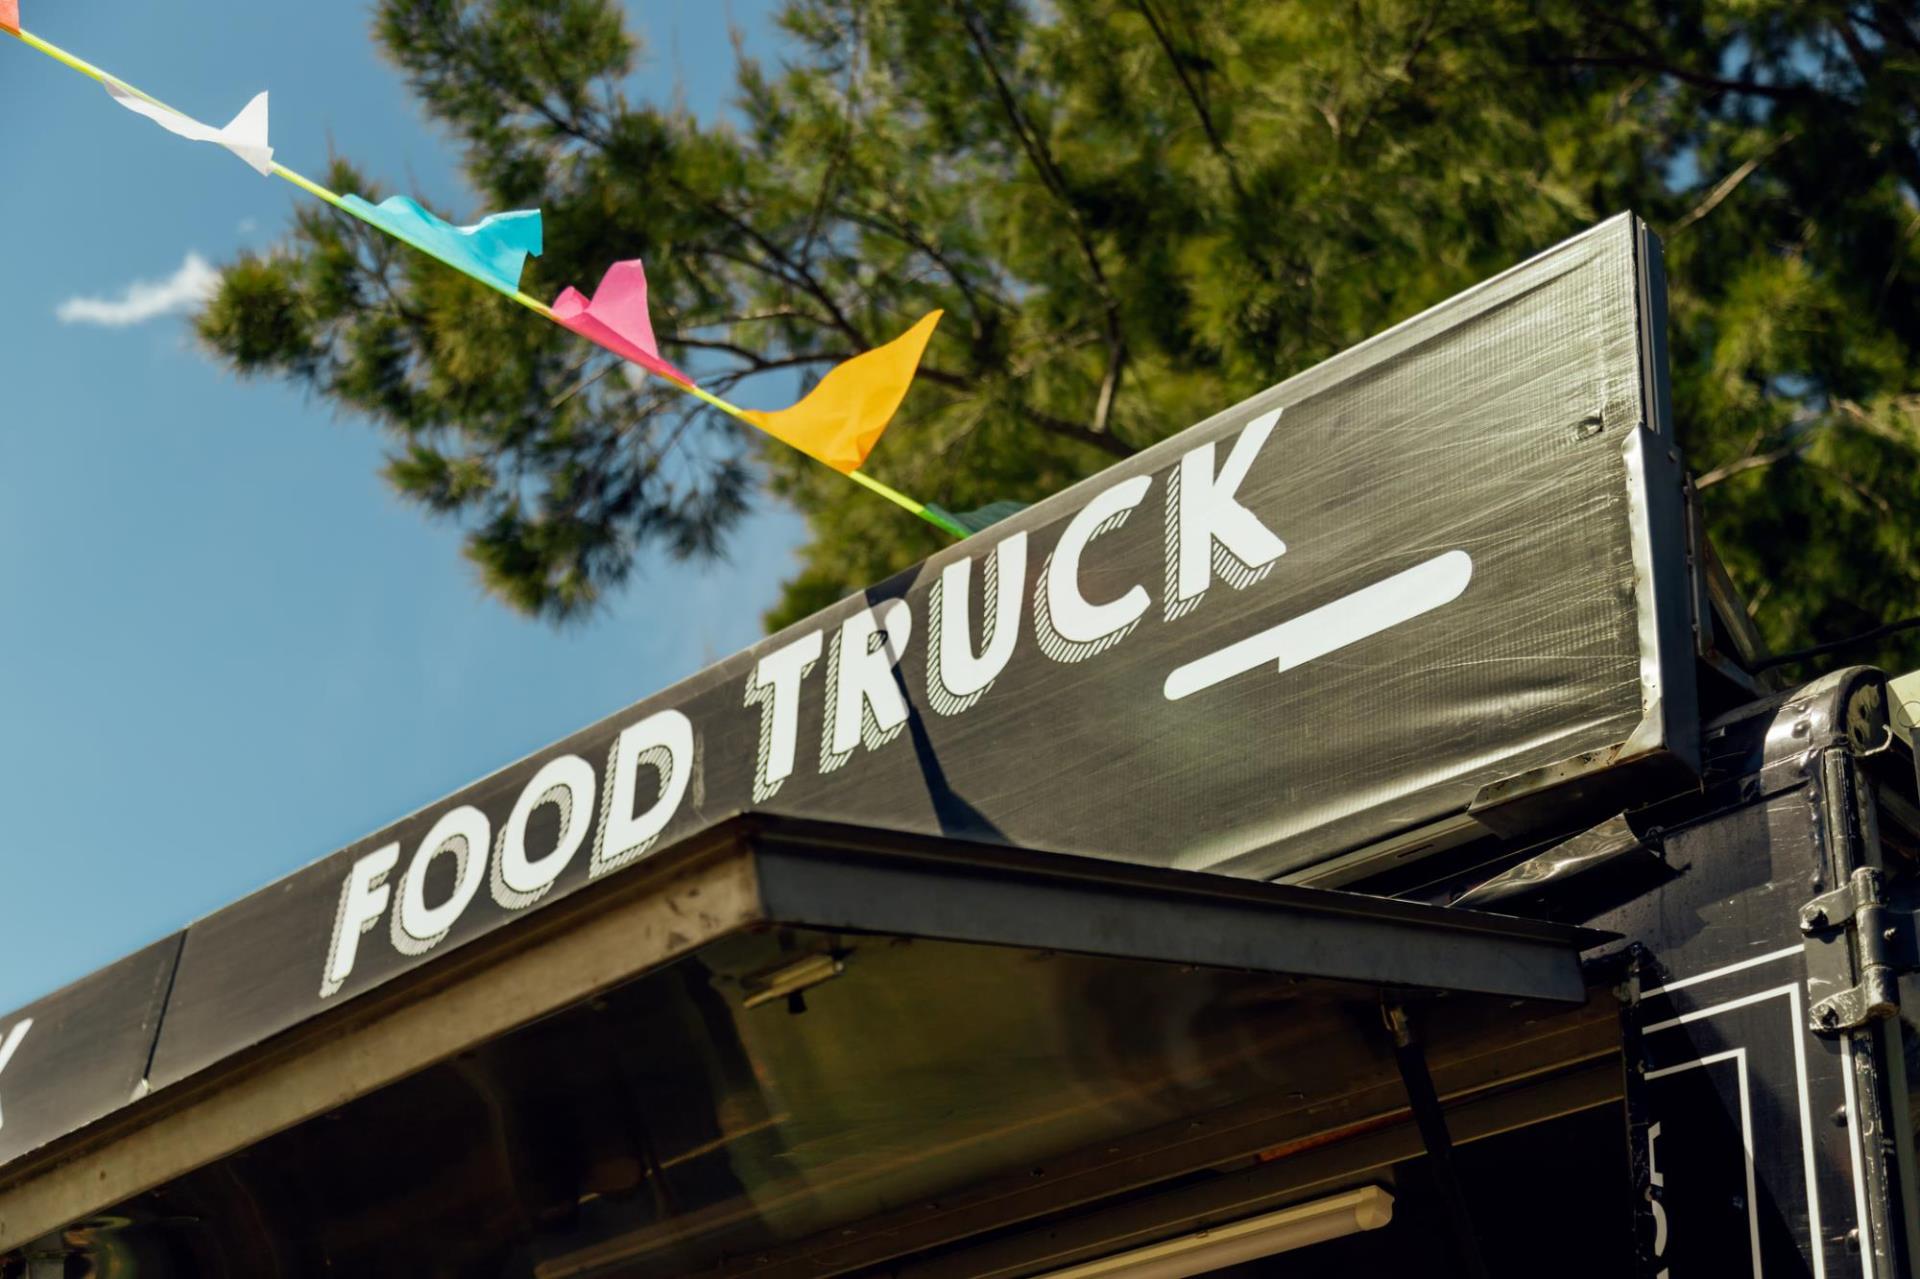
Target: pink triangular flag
10, 15
617, 318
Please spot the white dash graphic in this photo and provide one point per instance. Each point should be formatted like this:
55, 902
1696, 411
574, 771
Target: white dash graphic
1347, 620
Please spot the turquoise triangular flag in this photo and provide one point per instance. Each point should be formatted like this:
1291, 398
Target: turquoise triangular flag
493, 251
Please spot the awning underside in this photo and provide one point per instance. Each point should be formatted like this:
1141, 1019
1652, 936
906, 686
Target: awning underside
815, 1090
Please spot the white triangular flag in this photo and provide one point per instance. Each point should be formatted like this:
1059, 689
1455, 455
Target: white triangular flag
245, 135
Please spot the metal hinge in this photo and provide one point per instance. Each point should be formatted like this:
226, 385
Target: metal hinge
1853, 915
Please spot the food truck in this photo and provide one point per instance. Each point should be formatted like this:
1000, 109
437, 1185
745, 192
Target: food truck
1361, 834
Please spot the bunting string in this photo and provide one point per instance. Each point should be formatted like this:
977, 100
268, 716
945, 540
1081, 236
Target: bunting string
837, 423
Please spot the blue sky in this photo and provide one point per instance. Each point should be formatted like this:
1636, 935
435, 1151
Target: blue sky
226, 649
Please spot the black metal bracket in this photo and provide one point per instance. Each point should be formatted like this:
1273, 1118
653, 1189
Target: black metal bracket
845, 879
1580, 877
1432, 1122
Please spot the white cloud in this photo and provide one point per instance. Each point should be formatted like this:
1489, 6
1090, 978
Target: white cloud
145, 300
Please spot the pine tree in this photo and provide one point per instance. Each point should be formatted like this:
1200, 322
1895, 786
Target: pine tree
1135, 212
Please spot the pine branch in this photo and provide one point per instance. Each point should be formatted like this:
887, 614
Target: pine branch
1727, 185
1214, 140
1753, 462
1687, 75
1055, 182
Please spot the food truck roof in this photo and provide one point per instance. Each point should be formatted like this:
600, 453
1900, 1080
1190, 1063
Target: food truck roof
1440, 589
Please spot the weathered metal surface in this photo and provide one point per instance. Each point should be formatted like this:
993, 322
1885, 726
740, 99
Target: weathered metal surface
81, 1052
170, 1134
929, 1092
825, 879
1762, 1141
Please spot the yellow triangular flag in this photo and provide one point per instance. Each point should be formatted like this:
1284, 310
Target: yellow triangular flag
841, 419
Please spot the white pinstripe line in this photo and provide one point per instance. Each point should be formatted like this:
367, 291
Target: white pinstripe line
1817, 1243
1697, 978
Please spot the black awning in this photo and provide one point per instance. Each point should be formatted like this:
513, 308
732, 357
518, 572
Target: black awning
786, 1029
